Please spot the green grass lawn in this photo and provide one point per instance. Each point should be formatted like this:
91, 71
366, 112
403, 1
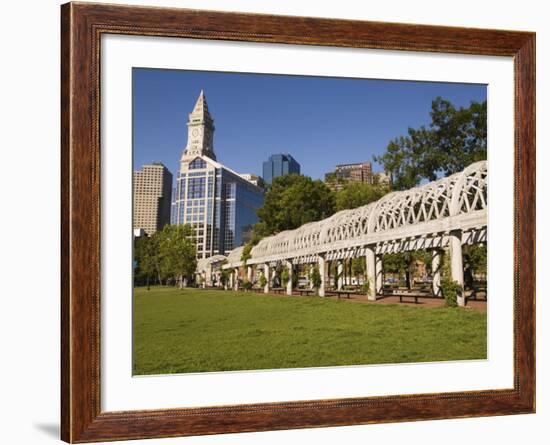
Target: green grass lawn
195, 330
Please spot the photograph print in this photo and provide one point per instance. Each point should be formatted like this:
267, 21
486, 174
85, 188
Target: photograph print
285, 221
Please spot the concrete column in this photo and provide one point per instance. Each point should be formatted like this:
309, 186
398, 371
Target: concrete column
340, 274
457, 269
273, 275
231, 280
204, 280
371, 272
236, 282
311, 266
436, 272
290, 273
267, 278
379, 275
249, 273
322, 273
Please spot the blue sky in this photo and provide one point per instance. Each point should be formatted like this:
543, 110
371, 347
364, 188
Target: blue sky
320, 121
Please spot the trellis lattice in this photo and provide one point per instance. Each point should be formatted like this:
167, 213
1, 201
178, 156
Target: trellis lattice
423, 213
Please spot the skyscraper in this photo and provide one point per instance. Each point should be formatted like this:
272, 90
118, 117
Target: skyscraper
219, 203
152, 196
357, 172
279, 165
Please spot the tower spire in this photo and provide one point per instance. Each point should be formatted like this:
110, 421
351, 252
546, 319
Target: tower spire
200, 133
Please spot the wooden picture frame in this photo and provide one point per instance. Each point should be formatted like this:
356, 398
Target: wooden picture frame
82, 26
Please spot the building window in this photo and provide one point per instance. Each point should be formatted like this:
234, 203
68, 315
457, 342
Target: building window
196, 188
197, 163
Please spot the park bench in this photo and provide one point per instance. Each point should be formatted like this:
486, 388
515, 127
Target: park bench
341, 292
406, 294
278, 290
305, 291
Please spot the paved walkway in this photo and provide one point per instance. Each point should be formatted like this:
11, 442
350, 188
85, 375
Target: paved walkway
480, 305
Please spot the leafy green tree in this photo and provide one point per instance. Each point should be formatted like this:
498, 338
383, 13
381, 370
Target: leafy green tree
476, 255
357, 194
178, 252
144, 256
291, 201
148, 258
358, 268
455, 138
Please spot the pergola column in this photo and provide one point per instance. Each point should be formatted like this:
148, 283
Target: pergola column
236, 282
311, 267
379, 275
370, 258
457, 269
322, 272
340, 272
249, 273
267, 278
231, 278
436, 272
290, 273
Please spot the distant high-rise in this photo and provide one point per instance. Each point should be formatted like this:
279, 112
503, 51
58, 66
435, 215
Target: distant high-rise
357, 172
152, 197
279, 165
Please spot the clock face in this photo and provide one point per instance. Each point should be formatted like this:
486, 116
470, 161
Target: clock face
195, 132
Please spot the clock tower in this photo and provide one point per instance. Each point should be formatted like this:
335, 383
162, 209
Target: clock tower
200, 132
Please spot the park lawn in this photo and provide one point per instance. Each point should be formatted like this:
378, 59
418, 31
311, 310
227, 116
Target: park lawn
195, 330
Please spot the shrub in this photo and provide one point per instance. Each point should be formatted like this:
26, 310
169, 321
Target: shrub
315, 277
247, 285
285, 276
263, 280
365, 287
451, 290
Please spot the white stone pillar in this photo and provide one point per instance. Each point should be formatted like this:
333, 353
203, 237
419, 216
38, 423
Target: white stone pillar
370, 258
436, 272
379, 275
231, 285
290, 273
236, 282
322, 272
249, 273
311, 266
457, 269
267, 278
340, 272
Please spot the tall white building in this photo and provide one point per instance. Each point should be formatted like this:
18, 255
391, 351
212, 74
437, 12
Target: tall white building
215, 200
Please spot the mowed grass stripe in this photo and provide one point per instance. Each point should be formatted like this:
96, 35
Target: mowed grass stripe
192, 330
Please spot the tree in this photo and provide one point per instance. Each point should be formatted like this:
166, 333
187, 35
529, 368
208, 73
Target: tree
455, 138
357, 194
147, 256
178, 252
358, 268
144, 256
293, 200
477, 256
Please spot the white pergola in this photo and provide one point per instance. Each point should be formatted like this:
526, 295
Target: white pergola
208, 268
443, 214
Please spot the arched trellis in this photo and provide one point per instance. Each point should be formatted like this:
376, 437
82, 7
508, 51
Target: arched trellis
208, 269
444, 213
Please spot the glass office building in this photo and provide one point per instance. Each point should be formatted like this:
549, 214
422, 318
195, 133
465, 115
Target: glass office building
279, 165
219, 203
